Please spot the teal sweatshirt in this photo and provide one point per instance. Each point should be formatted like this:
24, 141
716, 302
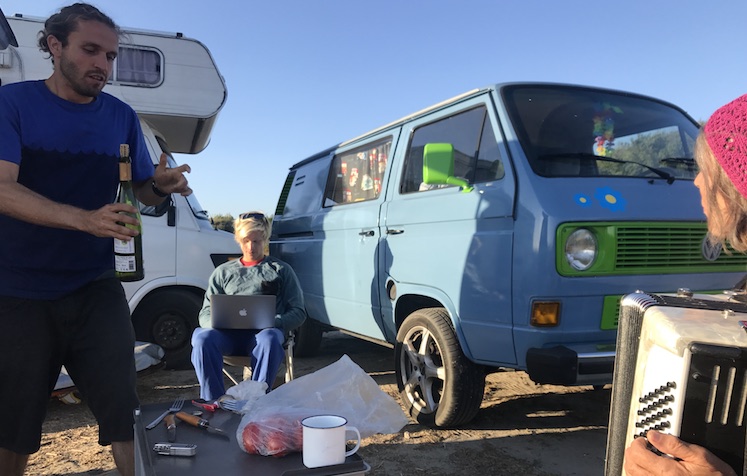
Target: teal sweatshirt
269, 276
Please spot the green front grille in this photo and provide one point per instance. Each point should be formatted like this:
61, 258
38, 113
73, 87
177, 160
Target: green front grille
661, 246
647, 248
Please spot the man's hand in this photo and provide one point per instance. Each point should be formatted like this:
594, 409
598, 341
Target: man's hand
108, 222
171, 180
679, 458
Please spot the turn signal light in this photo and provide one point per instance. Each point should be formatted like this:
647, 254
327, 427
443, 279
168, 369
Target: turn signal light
545, 314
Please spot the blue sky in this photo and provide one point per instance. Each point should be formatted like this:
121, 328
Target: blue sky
303, 75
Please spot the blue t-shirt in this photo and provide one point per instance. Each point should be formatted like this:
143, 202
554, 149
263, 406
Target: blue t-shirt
68, 153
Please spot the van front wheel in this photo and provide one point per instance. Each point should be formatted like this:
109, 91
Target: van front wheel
439, 386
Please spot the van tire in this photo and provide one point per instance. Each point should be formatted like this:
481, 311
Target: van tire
167, 318
308, 339
438, 385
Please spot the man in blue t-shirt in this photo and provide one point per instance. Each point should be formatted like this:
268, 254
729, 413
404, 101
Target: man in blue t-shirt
60, 302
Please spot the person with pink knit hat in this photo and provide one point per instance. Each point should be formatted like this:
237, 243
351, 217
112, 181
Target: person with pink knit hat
721, 155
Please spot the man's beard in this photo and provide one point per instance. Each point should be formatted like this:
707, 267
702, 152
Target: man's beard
72, 74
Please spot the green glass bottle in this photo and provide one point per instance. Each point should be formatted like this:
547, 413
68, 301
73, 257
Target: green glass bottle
128, 255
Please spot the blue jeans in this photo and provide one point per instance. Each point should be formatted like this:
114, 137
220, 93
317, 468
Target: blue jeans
210, 345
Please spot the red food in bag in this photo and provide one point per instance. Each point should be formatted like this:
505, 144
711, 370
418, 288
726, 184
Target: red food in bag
273, 436
249, 437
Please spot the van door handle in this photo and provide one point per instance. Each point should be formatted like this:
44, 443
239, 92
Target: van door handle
392, 231
367, 233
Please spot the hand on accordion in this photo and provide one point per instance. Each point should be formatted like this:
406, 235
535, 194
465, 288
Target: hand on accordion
664, 454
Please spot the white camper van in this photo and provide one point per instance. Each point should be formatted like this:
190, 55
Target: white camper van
175, 87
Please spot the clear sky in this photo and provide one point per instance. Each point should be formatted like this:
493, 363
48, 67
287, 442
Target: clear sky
303, 75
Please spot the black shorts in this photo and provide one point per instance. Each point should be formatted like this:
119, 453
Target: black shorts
88, 331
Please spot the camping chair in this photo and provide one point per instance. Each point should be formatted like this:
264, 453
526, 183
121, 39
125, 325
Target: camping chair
246, 361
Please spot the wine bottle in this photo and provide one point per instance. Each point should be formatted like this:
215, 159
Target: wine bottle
128, 255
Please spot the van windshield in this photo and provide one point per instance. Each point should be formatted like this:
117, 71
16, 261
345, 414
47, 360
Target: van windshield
568, 131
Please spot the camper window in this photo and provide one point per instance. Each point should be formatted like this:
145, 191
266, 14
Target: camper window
139, 66
356, 175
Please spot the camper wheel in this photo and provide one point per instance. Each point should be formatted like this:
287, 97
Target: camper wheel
439, 386
167, 318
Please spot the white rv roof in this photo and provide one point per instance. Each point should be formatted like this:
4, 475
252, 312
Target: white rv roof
182, 107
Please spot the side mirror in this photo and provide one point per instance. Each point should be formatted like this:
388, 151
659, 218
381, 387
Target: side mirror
438, 166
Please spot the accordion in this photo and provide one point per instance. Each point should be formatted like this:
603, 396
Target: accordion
680, 368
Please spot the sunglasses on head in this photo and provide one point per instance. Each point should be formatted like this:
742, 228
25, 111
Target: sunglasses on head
256, 216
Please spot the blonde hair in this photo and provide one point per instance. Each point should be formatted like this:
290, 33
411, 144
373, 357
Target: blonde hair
727, 208
249, 222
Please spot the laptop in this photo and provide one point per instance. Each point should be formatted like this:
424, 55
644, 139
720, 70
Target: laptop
240, 311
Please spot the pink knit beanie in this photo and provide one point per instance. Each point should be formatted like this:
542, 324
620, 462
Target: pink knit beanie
726, 134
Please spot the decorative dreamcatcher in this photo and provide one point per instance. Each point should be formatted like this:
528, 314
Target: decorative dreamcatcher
604, 129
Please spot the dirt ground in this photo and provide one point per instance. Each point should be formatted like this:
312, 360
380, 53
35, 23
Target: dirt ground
522, 428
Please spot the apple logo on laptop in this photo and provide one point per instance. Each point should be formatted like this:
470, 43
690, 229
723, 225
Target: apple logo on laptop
243, 313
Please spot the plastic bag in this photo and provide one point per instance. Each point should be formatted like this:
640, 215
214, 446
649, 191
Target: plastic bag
248, 390
271, 424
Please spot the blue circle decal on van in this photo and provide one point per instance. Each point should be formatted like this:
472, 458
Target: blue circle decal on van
582, 199
611, 199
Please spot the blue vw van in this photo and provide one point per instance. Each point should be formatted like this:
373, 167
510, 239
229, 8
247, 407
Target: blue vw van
498, 229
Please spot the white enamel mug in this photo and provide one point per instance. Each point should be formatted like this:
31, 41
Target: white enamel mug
324, 438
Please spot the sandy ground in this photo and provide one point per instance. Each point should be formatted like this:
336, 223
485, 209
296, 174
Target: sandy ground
522, 428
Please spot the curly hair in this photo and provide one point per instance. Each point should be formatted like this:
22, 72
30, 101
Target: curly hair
727, 208
61, 24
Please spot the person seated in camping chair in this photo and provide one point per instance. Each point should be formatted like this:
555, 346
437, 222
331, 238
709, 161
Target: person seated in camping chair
254, 273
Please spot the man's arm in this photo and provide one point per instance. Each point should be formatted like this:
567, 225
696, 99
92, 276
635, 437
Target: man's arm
24, 204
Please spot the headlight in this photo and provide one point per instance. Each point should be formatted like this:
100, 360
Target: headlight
581, 249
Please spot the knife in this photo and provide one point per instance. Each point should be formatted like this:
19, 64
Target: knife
170, 427
200, 423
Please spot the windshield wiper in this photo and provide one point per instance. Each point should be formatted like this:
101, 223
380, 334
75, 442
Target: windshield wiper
677, 160
588, 156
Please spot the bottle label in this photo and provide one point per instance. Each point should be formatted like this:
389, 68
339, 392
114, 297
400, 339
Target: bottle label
125, 171
124, 264
124, 247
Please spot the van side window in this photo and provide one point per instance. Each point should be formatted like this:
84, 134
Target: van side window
476, 154
138, 66
356, 175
